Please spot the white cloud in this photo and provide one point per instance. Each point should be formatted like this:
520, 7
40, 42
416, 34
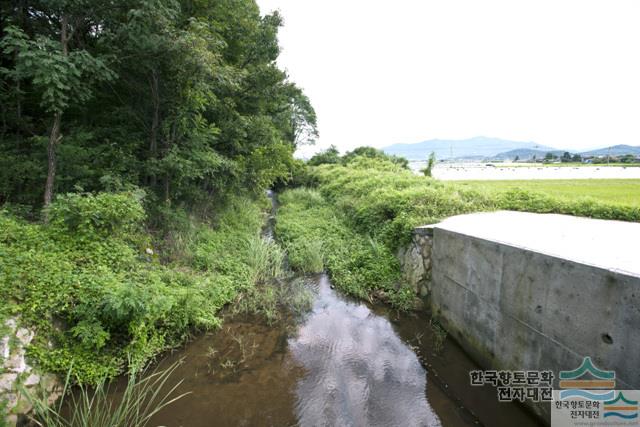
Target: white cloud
564, 73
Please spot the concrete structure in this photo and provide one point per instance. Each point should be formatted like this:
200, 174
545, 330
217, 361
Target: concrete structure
529, 291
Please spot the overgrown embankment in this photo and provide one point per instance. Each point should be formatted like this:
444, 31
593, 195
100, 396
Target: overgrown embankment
100, 295
387, 201
318, 236
362, 209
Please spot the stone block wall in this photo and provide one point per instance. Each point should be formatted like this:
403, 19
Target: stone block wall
415, 260
15, 372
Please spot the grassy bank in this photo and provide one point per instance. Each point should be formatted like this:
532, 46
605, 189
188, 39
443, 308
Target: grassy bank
618, 191
362, 210
386, 202
100, 294
317, 236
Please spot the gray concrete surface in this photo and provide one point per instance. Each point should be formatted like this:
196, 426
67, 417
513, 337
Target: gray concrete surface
528, 291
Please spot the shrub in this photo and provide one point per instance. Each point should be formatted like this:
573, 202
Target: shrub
358, 265
97, 215
87, 283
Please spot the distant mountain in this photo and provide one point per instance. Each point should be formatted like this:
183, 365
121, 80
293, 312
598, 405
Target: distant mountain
616, 150
478, 147
525, 154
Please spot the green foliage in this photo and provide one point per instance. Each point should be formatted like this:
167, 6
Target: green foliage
265, 259
90, 283
329, 156
357, 264
96, 216
374, 153
60, 77
430, 163
143, 397
181, 98
387, 202
332, 156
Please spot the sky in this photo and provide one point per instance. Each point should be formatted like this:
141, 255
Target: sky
562, 73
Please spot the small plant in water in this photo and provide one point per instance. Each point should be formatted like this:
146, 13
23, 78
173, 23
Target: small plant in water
143, 397
439, 336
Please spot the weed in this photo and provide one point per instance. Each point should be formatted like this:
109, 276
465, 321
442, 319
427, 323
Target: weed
439, 335
143, 397
265, 259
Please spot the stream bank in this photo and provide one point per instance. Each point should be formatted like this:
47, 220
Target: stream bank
342, 363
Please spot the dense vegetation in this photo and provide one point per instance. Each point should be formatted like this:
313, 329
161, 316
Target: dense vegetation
611, 191
361, 209
91, 282
317, 237
182, 98
386, 201
136, 140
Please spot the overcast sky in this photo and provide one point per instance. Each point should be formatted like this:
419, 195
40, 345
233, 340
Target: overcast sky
564, 73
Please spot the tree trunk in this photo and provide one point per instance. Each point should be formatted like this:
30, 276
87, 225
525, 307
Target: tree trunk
155, 121
54, 139
54, 136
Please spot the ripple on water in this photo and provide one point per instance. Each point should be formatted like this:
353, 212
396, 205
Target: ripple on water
358, 371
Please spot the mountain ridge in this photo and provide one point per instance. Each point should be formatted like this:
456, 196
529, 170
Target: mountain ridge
481, 147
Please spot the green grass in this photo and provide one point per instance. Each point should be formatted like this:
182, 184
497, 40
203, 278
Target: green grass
142, 398
386, 202
316, 235
565, 165
89, 283
618, 191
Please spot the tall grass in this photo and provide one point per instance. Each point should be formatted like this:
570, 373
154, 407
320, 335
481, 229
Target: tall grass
307, 256
265, 259
142, 398
316, 235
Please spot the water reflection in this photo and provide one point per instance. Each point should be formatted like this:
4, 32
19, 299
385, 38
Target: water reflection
358, 371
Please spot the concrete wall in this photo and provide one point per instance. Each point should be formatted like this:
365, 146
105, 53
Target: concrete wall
516, 308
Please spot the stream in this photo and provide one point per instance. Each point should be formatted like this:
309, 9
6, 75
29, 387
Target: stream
344, 363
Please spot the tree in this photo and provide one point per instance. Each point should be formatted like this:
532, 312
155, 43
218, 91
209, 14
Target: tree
180, 97
61, 74
576, 158
427, 171
516, 159
329, 156
566, 157
374, 153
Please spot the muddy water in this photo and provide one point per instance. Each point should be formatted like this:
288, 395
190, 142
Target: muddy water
343, 363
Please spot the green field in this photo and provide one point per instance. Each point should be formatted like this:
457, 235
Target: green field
565, 165
619, 191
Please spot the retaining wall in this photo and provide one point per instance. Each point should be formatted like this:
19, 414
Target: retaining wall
527, 291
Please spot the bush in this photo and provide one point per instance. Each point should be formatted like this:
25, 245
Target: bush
97, 215
90, 282
357, 265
